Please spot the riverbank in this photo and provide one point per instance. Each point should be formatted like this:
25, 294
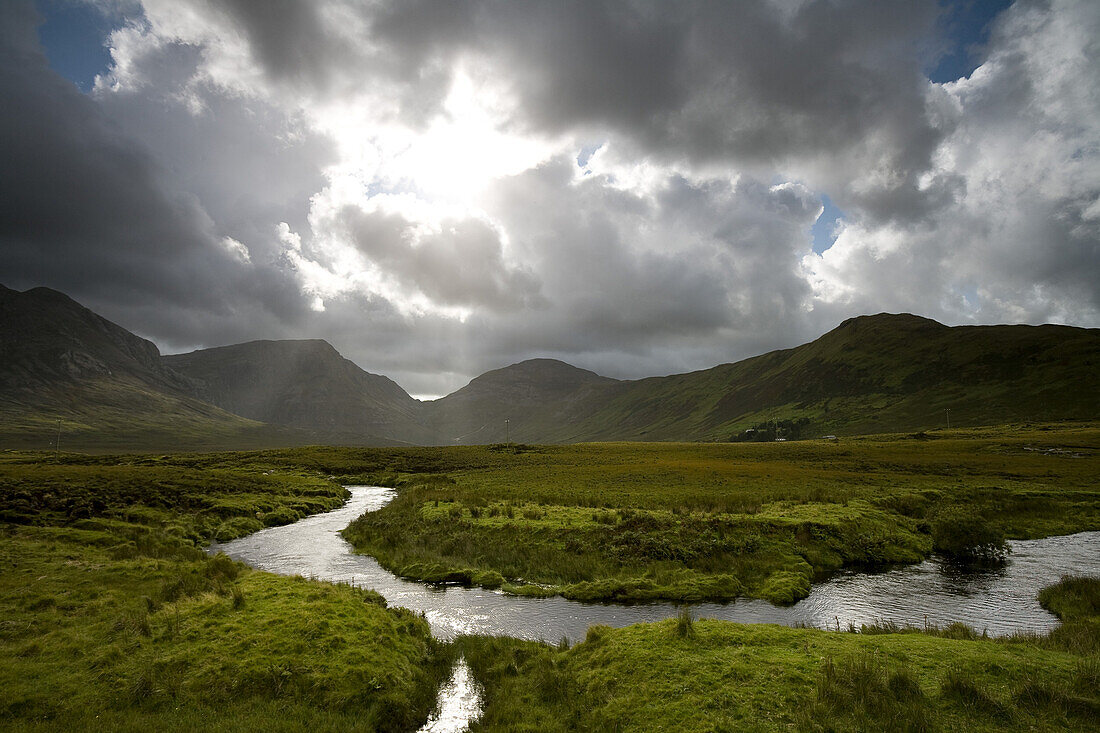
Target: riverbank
712, 522
699, 675
112, 617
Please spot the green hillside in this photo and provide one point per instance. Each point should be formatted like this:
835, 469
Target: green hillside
66, 369
305, 385
873, 374
884, 373
530, 401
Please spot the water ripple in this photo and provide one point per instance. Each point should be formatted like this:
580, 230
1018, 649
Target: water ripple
1000, 601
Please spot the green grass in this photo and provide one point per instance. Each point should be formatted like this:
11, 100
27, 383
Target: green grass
138, 499
702, 675
124, 414
691, 522
872, 374
113, 618
1073, 599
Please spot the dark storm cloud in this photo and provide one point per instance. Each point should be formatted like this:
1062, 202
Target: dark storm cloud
249, 165
828, 91
87, 211
461, 264
288, 37
647, 284
739, 84
686, 244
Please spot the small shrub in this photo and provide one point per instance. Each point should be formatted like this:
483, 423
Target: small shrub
135, 623
1039, 694
552, 681
959, 630
861, 690
280, 517
373, 597
1086, 675
904, 685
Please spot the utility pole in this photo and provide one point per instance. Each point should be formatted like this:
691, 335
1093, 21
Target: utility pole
507, 431
57, 443
948, 418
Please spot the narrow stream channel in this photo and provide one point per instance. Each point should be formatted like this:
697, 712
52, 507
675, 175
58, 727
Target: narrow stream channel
459, 702
1001, 601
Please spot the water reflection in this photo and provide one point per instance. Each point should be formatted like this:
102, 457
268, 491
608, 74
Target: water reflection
1000, 601
459, 702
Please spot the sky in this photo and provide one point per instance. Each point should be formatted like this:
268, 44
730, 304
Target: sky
637, 188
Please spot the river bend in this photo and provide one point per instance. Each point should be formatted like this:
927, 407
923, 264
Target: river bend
1000, 601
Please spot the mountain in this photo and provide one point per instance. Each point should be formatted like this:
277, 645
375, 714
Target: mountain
879, 373
106, 386
528, 401
883, 373
305, 385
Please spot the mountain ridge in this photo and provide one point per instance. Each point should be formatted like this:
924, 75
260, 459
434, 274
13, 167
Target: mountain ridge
68, 373
305, 384
873, 373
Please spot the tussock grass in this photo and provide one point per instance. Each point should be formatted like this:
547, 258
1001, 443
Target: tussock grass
862, 692
685, 623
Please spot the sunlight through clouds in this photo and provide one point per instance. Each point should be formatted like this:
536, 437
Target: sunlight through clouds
619, 184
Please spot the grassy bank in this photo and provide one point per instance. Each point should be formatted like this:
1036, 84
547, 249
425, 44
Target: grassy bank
693, 522
112, 617
699, 675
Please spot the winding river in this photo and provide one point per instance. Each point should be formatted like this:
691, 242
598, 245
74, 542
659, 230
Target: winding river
1000, 601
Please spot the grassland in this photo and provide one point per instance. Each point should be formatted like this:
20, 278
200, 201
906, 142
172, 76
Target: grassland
692, 522
113, 618
688, 675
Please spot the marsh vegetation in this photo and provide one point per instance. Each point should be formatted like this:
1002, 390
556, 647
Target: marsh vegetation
113, 617
711, 522
700, 675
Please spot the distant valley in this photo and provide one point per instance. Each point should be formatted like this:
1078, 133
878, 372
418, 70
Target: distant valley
65, 369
